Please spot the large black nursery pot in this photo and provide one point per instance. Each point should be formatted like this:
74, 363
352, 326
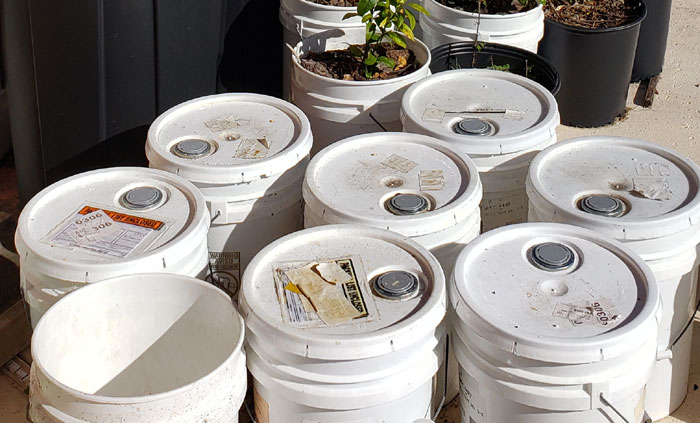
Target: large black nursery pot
653, 35
521, 62
595, 66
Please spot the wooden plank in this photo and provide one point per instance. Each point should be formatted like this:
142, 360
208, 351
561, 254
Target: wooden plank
650, 90
15, 332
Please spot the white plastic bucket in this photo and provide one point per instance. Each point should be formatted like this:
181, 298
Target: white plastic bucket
504, 121
445, 25
107, 223
371, 351
247, 154
339, 109
656, 191
147, 348
304, 18
554, 323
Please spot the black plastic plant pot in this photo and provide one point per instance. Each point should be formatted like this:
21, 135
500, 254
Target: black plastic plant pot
595, 66
464, 55
653, 34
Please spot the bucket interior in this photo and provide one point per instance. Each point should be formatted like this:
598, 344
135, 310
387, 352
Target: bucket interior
136, 336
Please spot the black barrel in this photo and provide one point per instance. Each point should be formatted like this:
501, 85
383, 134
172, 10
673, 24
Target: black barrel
595, 66
464, 55
653, 35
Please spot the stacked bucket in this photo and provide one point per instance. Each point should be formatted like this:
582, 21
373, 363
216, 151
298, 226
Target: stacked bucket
366, 292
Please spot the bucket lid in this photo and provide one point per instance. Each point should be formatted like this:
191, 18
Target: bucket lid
554, 292
408, 183
482, 111
628, 189
343, 292
229, 138
110, 222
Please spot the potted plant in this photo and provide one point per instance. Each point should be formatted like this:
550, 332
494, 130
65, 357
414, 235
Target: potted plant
350, 81
592, 44
463, 55
519, 23
304, 18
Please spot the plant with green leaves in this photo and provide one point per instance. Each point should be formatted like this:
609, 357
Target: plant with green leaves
390, 20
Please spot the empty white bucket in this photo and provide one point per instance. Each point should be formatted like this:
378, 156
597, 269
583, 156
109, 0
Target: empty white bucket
148, 348
645, 196
362, 343
499, 119
554, 323
107, 223
247, 154
304, 18
445, 25
339, 109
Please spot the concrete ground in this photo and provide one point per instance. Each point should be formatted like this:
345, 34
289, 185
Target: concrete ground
673, 121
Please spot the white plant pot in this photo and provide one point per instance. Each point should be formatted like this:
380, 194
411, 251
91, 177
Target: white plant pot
301, 19
339, 109
446, 25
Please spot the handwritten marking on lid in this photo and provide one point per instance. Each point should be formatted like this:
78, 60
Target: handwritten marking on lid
600, 312
399, 163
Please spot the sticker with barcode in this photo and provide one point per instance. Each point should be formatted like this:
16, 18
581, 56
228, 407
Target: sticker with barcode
431, 180
399, 163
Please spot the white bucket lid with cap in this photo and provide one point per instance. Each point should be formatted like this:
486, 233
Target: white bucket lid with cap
483, 112
637, 192
552, 312
250, 140
393, 296
134, 220
408, 183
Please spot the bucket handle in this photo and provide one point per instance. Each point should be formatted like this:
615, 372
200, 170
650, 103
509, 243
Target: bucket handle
645, 419
690, 322
377, 122
445, 360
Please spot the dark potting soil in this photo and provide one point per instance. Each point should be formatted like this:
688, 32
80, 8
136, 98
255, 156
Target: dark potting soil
342, 64
593, 14
491, 7
338, 3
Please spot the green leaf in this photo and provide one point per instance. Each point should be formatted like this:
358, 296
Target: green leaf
411, 20
407, 31
397, 39
419, 8
349, 15
371, 59
356, 51
365, 6
366, 18
387, 61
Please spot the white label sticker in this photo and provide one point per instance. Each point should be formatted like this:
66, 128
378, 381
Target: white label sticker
105, 232
652, 188
497, 211
472, 404
297, 309
431, 180
253, 149
399, 163
225, 271
600, 312
511, 114
221, 124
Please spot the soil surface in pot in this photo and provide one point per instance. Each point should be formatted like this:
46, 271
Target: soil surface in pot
491, 7
593, 14
338, 3
342, 64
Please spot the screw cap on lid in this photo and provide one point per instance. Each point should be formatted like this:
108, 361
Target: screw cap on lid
407, 204
603, 205
472, 127
191, 148
396, 284
141, 198
552, 256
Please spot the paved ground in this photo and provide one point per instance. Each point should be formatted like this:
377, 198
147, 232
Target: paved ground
673, 121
